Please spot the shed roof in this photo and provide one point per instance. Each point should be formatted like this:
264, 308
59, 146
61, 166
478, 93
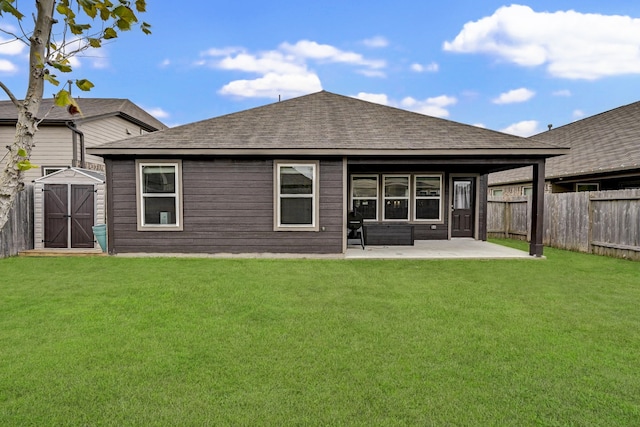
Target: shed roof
92, 108
325, 123
73, 172
606, 142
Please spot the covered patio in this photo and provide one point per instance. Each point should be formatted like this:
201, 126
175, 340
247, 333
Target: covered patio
466, 248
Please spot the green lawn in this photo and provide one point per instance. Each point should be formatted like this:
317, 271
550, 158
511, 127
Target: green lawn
123, 341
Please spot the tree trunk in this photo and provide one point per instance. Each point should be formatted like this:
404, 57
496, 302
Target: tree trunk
11, 181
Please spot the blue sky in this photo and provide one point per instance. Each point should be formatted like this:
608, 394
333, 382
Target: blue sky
512, 67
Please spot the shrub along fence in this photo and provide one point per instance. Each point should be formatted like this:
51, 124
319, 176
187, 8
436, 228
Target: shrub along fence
17, 233
600, 222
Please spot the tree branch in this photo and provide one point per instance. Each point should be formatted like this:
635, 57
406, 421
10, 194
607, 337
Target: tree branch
10, 94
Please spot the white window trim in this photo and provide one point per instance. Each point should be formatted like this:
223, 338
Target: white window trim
48, 170
141, 226
415, 197
315, 196
384, 198
377, 177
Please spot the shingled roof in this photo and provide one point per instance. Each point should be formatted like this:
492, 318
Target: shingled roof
606, 142
92, 108
325, 123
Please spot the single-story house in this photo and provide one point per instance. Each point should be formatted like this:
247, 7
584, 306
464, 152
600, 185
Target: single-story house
604, 155
282, 178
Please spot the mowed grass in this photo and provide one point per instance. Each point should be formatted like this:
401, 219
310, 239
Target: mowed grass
117, 341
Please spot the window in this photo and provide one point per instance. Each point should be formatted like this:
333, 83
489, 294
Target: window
396, 197
588, 187
48, 170
497, 192
159, 189
527, 191
296, 196
428, 200
364, 196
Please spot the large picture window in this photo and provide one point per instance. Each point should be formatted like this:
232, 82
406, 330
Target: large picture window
296, 196
396, 197
159, 188
364, 196
428, 197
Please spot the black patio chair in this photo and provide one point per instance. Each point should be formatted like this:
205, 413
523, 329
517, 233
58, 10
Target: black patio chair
355, 226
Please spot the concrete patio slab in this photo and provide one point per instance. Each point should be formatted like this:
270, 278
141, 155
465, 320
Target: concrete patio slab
438, 249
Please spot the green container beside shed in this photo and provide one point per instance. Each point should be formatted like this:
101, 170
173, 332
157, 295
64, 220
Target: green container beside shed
100, 231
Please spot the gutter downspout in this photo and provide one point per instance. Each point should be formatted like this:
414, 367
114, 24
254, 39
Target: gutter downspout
76, 133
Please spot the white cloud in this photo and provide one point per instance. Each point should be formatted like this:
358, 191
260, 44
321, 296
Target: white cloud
431, 106
376, 42
378, 98
570, 44
480, 125
271, 85
524, 128
285, 70
562, 92
514, 96
324, 52
158, 113
7, 66
11, 48
578, 114
430, 68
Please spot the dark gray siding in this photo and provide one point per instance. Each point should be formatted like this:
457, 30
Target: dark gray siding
228, 208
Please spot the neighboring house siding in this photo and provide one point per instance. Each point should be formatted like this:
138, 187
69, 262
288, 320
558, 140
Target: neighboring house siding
54, 144
228, 208
106, 129
53, 147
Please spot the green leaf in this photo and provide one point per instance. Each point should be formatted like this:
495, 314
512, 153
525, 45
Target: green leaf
22, 152
78, 29
94, 42
141, 5
62, 9
62, 98
146, 28
110, 33
84, 84
89, 7
64, 67
123, 25
123, 12
51, 79
25, 165
6, 6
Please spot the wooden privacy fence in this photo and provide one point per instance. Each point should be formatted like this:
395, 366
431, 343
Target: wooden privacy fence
17, 233
602, 222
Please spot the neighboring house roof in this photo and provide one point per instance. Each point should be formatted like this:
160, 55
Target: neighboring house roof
92, 109
608, 142
324, 123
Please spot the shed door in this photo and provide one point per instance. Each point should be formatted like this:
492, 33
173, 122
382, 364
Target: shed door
462, 214
82, 216
69, 215
56, 221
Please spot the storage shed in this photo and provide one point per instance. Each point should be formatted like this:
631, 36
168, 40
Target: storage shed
67, 203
